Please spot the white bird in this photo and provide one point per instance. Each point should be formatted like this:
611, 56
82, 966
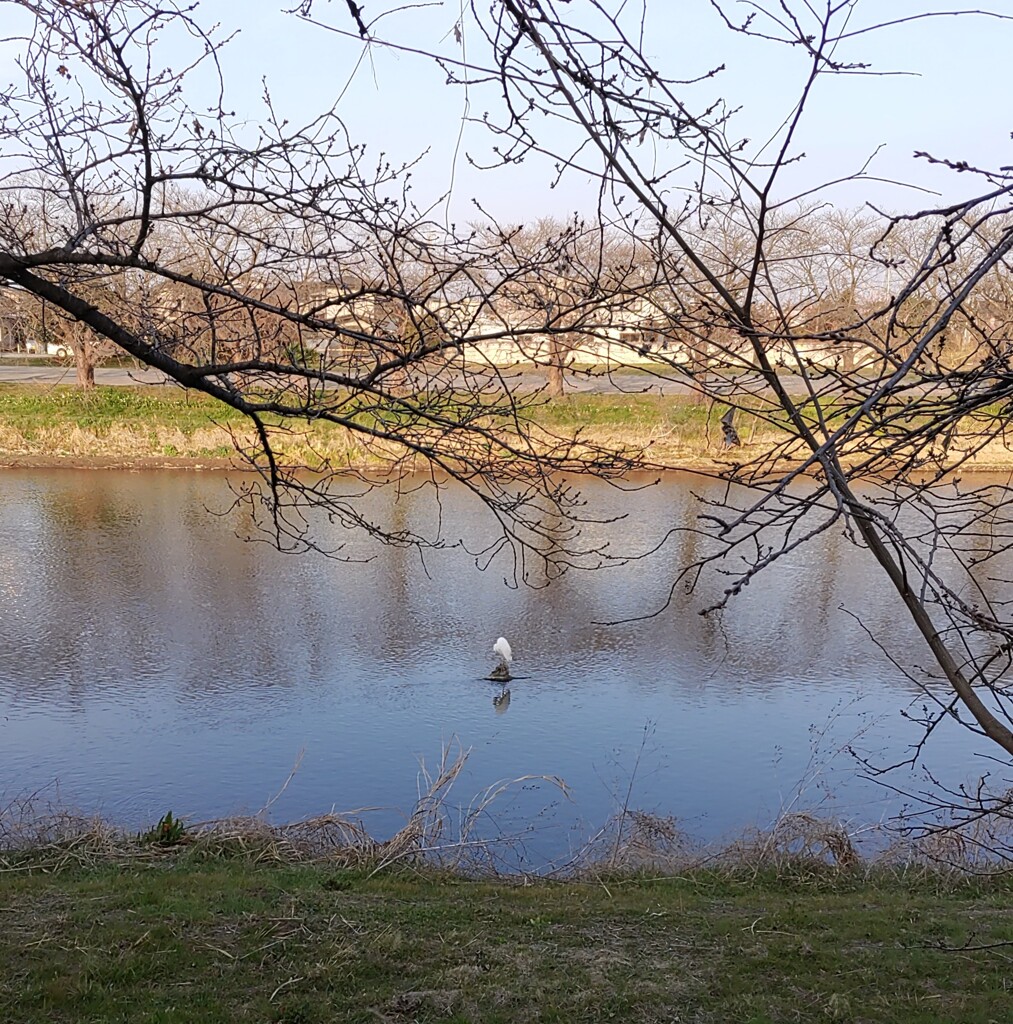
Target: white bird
501, 673
502, 648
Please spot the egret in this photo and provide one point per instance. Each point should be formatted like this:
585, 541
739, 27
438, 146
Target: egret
501, 673
502, 648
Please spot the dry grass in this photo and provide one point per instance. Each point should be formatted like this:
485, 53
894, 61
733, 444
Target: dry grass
796, 837
37, 834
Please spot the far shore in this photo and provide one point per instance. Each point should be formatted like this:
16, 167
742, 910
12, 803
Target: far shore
144, 428
39, 460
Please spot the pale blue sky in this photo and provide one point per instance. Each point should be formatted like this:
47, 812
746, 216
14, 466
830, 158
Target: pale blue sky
956, 105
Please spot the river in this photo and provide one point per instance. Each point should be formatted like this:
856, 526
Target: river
151, 659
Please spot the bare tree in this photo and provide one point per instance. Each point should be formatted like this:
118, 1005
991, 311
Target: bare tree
339, 300
274, 269
59, 328
759, 278
568, 286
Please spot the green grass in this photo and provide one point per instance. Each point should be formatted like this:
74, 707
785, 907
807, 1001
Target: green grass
161, 422
158, 422
630, 412
136, 422
166, 422
30, 408
231, 941
31, 405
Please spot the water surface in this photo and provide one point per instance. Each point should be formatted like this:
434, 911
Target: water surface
151, 659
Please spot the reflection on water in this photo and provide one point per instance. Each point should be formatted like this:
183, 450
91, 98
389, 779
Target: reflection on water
149, 659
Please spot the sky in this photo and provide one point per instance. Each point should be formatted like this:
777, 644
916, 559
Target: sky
954, 102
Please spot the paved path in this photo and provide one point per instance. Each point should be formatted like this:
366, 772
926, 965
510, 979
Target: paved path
58, 374
524, 380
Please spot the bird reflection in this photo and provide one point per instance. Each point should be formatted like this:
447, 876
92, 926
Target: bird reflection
501, 701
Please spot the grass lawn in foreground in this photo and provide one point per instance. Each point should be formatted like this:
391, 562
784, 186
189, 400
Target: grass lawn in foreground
232, 941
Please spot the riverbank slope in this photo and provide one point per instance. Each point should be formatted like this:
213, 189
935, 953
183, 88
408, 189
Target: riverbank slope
146, 426
179, 940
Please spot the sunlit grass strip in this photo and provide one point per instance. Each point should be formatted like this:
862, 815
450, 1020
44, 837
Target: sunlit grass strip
155, 422
34, 407
152, 422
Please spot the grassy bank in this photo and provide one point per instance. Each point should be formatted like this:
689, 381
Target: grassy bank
41, 423
230, 940
144, 424
156, 425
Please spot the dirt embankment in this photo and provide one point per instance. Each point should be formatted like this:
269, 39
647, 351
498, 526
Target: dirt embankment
143, 462
668, 459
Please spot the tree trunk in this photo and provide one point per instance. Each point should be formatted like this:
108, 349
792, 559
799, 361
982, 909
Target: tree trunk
557, 357
85, 366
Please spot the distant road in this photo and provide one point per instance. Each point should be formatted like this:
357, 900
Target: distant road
526, 380
629, 381
57, 374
